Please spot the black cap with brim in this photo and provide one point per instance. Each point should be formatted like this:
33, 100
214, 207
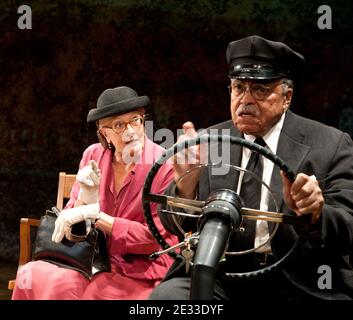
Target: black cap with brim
258, 58
257, 70
117, 101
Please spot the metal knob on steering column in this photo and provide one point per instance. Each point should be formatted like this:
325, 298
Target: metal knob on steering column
220, 216
223, 203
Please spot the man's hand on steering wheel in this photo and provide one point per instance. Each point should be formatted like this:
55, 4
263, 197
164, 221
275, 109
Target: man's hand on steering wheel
303, 196
186, 160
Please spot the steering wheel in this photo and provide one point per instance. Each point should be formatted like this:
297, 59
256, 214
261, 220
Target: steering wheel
221, 202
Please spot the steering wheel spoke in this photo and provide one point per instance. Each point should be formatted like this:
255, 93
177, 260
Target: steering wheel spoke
179, 213
270, 216
194, 205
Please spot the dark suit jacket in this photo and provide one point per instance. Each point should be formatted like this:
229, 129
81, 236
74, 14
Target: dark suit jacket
314, 149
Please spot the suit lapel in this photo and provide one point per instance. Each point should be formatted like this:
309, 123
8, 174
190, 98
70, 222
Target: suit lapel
232, 156
291, 150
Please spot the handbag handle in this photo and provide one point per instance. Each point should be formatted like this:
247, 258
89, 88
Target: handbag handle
72, 236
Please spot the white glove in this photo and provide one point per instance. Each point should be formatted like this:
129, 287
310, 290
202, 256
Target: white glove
89, 179
68, 217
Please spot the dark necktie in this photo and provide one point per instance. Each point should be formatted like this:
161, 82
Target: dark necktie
250, 193
251, 188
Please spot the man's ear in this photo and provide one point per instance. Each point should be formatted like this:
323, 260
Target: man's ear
287, 99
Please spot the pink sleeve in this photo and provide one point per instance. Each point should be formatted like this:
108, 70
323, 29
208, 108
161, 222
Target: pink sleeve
134, 237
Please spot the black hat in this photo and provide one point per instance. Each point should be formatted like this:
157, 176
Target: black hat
116, 101
254, 57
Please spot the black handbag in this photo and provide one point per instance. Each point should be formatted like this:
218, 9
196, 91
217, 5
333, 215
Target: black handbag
88, 254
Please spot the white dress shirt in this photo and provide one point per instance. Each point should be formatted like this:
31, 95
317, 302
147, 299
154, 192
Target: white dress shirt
271, 138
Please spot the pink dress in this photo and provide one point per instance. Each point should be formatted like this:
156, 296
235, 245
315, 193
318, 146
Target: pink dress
133, 275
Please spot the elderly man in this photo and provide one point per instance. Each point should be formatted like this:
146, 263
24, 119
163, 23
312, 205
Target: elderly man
262, 75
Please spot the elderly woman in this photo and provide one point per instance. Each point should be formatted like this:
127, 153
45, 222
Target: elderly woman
108, 193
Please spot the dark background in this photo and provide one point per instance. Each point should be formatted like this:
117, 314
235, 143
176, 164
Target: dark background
172, 51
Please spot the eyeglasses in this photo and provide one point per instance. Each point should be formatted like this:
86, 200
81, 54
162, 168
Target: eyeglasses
258, 91
119, 126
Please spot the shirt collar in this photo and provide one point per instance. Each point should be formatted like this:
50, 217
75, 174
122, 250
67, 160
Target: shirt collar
272, 136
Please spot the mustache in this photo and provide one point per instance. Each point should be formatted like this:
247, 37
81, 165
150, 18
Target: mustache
248, 109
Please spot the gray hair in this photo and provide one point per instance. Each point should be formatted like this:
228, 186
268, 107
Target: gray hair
287, 84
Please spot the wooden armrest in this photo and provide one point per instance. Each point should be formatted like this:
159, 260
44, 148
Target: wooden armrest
25, 239
25, 244
66, 181
11, 284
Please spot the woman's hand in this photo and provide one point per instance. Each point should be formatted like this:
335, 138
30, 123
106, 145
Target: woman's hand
89, 179
69, 217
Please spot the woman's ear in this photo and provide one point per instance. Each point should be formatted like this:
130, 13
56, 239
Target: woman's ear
102, 139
